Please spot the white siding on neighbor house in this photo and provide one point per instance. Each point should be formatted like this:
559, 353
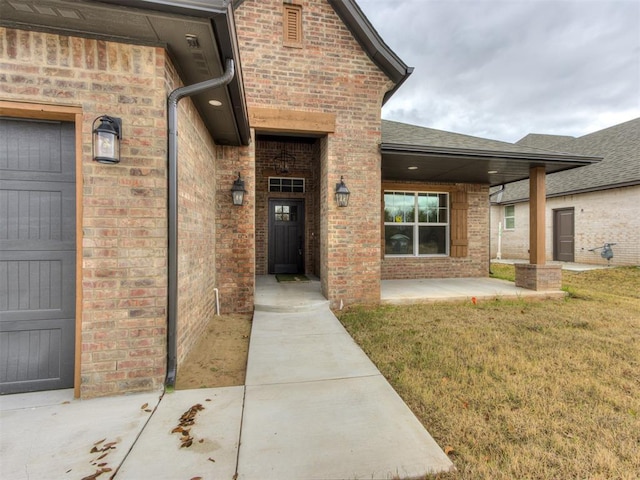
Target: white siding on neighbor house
603, 216
515, 242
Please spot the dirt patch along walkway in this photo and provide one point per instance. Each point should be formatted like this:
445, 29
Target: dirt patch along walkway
219, 359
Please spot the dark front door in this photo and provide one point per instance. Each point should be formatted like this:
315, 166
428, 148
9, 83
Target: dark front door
37, 255
563, 235
286, 236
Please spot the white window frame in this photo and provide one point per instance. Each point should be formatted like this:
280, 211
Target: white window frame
301, 181
417, 224
509, 217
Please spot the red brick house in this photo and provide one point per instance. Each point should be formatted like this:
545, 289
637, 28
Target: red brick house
112, 270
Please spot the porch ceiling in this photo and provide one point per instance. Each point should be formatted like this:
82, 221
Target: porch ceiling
467, 167
156, 23
415, 153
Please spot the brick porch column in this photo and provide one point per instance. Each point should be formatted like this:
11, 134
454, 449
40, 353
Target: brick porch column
537, 275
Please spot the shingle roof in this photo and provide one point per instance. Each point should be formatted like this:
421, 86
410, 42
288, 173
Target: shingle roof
406, 134
618, 145
548, 142
414, 153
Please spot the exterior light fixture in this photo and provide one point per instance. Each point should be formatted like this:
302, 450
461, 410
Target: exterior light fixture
106, 139
342, 193
283, 162
238, 191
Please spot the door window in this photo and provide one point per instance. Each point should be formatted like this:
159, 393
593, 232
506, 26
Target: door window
286, 213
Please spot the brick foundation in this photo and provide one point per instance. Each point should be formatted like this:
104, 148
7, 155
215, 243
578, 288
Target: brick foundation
538, 277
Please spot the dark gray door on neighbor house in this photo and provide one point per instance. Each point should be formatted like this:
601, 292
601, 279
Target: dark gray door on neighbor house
37, 255
286, 236
563, 235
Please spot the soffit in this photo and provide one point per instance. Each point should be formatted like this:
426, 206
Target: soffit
464, 167
441, 156
155, 23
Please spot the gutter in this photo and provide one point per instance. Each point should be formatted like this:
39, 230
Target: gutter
558, 158
172, 280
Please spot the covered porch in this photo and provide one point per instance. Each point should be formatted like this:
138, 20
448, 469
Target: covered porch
421, 161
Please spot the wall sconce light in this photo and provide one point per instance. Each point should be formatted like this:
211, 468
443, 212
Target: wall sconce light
238, 191
342, 193
106, 139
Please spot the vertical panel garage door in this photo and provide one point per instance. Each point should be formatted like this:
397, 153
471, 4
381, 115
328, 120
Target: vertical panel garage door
37, 255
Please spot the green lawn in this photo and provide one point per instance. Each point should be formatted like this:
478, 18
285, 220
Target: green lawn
522, 389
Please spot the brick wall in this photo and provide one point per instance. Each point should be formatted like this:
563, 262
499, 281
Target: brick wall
538, 277
124, 206
235, 229
305, 166
604, 216
331, 74
196, 223
475, 264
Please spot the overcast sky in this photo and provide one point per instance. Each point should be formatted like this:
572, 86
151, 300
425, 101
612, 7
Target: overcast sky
504, 68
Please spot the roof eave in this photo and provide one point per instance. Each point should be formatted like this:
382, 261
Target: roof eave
228, 46
192, 8
579, 191
440, 151
230, 126
220, 14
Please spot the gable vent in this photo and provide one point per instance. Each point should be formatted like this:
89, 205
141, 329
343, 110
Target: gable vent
292, 23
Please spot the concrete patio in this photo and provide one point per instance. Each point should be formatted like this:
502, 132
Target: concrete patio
456, 289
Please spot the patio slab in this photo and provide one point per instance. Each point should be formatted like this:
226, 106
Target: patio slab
569, 266
51, 435
455, 289
274, 296
216, 430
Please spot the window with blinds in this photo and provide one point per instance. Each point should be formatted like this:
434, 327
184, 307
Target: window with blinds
292, 25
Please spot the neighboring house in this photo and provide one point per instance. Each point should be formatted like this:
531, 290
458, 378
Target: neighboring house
111, 271
586, 207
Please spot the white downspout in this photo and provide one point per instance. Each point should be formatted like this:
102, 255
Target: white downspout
217, 302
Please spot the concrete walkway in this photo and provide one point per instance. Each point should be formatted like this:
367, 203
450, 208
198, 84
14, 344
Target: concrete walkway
313, 407
317, 408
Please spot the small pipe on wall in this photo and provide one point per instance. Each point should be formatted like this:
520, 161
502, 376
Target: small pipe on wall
217, 301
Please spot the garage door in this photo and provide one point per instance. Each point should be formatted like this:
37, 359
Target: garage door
37, 255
